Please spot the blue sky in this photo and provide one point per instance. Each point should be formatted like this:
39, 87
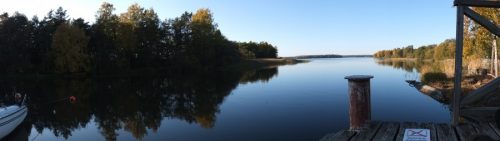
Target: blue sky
296, 27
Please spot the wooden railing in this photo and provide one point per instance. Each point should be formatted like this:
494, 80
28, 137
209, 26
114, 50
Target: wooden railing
464, 10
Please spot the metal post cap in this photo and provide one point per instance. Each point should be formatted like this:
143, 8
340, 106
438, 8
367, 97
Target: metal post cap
358, 77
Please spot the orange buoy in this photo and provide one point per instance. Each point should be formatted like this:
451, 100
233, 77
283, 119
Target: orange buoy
72, 99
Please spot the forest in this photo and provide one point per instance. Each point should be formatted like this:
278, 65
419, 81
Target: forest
134, 40
478, 42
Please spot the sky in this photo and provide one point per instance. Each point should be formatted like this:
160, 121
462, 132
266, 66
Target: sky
296, 27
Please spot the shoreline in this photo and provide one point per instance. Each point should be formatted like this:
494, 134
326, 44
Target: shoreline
243, 65
253, 64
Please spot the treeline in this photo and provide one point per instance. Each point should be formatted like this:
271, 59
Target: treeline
478, 42
318, 56
133, 40
329, 56
251, 50
444, 50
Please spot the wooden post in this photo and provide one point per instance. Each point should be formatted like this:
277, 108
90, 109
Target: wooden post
496, 55
492, 60
458, 66
359, 100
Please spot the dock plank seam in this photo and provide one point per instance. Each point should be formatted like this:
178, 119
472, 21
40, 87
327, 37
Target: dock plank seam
456, 133
376, 131
495, 128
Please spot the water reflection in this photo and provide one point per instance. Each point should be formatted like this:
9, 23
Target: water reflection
428, 71
21, 133
435, 77
420, 66
436, 70
134, 104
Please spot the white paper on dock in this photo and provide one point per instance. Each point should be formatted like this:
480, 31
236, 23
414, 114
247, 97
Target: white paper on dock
417, 135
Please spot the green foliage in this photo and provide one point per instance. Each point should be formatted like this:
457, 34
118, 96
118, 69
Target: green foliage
258, 50
203, 47
432, 77
134, 40
477, 42
445, 50
15, 38
68, 49
103, 52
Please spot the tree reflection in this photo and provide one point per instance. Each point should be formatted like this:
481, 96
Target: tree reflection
430, 70
437, 75
134, 104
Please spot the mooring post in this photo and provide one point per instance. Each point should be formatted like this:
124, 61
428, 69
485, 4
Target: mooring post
359, 100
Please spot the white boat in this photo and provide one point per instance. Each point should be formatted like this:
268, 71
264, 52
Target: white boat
11, 117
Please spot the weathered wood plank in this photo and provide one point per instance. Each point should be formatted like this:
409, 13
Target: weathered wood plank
401, 131
495, 128
387, 132
479, 114
368, 133
486, 23
485, 109
478, 3
457, 83
485, 129
405, 125
343, 135
432, 129
465, 131
445, 133
481, 93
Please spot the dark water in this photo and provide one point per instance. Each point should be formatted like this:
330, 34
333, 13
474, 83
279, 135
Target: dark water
297, 102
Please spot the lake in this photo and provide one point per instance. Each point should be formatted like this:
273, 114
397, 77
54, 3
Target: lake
301, 102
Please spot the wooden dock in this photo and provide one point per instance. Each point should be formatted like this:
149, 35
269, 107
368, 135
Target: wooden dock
393, 131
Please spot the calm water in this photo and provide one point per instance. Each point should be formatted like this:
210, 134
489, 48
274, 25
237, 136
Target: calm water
296, 102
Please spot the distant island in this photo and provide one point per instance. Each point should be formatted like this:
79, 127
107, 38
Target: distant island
328, 56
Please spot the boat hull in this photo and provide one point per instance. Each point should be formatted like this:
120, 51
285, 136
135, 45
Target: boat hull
11, 117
